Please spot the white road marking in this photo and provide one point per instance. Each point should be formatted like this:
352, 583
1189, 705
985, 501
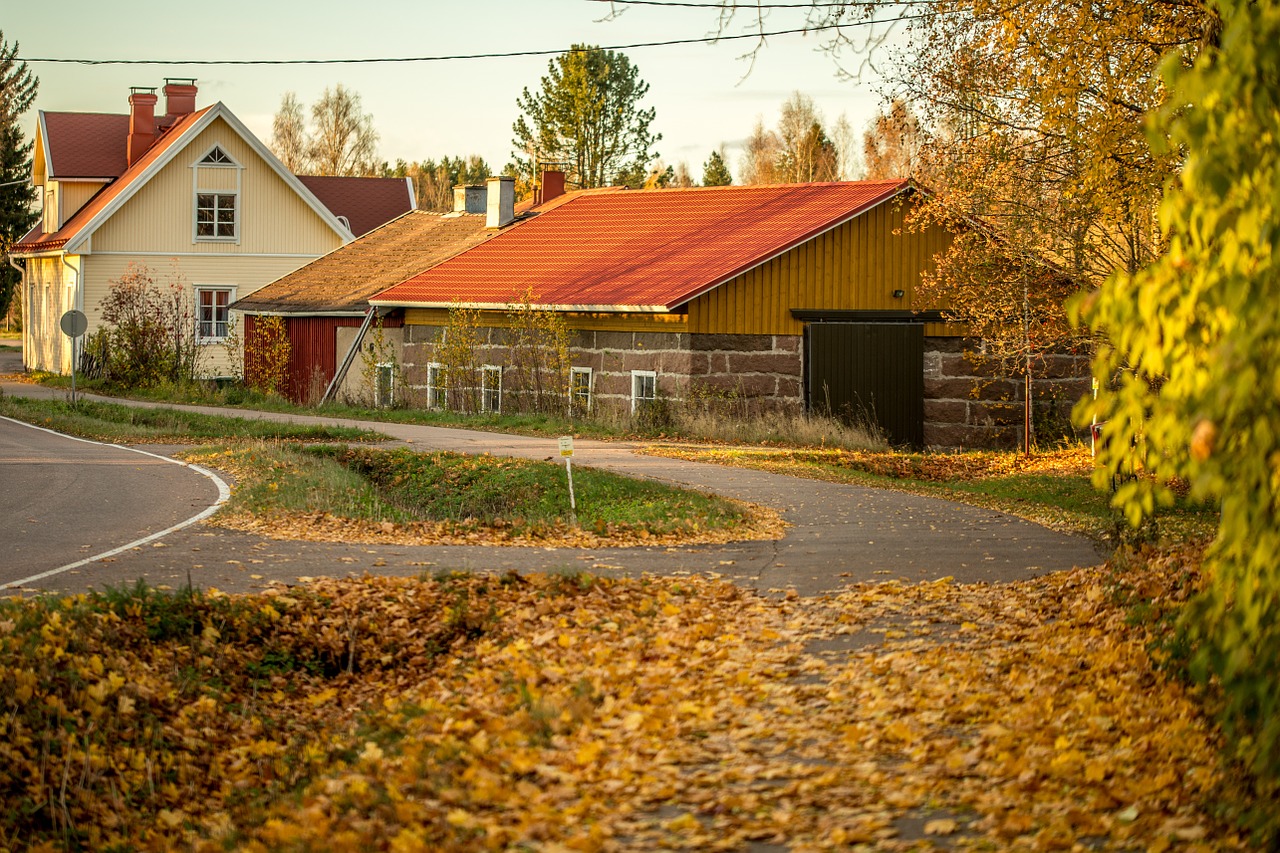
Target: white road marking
224, 493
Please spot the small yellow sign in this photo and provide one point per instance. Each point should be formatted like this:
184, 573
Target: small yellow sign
566, 446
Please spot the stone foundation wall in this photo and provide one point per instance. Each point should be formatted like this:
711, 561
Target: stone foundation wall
967, 407
763, 369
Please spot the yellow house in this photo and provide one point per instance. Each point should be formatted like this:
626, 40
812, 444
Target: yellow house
193, 196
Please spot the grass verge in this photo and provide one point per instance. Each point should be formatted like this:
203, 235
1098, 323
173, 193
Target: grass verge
1052, 488
128, 424
725, 421
346, 494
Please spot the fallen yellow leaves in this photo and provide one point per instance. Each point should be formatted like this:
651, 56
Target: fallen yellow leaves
567, 713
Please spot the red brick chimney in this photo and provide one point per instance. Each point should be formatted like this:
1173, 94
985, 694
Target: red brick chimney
179, 98
142, 121
551, 186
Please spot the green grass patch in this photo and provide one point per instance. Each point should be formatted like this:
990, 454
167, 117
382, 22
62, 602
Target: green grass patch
515, 497
131, 424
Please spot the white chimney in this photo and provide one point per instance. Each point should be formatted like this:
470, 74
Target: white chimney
469, 198
501, 209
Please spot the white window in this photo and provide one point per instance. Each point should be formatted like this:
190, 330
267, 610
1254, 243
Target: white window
217, 157
644, 388
385, 385
580, 389
491, 388
436, 398
212, 314
216, 216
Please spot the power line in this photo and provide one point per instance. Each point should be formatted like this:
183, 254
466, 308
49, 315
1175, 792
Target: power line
464, 56
729, 5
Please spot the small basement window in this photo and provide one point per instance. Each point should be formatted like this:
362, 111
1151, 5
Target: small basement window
644, 388
436, 396
580, 389
491, 388
384, 390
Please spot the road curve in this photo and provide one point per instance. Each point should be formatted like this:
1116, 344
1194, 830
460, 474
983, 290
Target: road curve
65, 500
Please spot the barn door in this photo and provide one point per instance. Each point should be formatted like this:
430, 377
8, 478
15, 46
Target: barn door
872, 372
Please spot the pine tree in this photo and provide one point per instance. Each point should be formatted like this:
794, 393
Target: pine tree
17, 91
587, 114
715, 172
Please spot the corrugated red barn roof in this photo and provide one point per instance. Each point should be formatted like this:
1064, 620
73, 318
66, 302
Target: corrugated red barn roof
365, 202
649, 250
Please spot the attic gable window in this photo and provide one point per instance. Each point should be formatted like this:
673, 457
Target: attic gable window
216, 216
217, 157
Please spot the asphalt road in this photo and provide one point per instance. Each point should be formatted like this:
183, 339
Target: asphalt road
840, 534
63, 500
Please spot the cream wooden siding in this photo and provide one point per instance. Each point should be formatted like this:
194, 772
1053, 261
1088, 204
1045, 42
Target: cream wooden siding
245, 274
75, 195
856, 265
273, 218
48, 293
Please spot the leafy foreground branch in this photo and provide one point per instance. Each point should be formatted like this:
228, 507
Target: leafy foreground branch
567, 712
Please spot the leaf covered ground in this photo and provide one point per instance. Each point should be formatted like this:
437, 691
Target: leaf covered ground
553, 712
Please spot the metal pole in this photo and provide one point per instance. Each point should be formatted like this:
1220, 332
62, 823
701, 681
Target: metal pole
573, 504
73, 372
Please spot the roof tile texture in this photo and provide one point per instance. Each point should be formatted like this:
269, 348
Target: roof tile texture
647, 249
365, 202
87, 145
344, 279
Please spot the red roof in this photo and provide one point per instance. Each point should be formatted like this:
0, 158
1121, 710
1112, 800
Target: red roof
366, 203
39, 242
86, 145
639, 249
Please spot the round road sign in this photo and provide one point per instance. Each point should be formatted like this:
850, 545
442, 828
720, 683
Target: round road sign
74, 323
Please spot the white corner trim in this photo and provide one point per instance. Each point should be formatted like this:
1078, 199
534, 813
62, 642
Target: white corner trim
413, 196
44, 145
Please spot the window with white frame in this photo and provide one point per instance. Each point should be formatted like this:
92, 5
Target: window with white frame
217, 157
216, 216
385, 385
213, 316
436, 397
644, 388
580, 389
491, 388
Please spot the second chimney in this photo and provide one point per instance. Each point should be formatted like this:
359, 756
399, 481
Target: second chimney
179, 97
142, 122
469, 198
552, 185
502, 201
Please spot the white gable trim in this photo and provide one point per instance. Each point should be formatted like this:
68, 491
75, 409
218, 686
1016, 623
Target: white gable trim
231, 162
75, 243
44, 147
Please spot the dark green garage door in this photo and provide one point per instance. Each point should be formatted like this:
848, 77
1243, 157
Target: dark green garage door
872, 372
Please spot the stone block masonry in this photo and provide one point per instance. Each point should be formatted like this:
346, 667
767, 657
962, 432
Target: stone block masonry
764, 370
967, 406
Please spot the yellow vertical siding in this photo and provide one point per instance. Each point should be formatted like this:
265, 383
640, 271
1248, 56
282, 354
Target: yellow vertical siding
273, 219
75, 194
245, 274
855, 266
48, 294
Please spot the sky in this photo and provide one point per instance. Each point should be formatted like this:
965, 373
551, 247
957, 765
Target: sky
705, 95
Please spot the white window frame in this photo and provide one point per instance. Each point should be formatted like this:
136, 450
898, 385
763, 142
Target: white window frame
390, 369
437, 391
490, 397
575, 396
197, 190
200, 290
637, 376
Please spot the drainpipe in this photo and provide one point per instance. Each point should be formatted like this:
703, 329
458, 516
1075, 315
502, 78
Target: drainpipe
22, 288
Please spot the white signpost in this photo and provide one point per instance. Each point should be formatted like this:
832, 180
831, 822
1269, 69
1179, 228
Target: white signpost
566, 451
73, 324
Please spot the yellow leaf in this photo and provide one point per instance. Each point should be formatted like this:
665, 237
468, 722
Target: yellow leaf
632, 721
588, 753
565, 641
460, 818
941, 826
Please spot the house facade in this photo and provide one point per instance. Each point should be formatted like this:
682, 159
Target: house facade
191, 195
797, 297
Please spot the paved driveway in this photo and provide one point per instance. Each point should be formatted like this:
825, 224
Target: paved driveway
840, 534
